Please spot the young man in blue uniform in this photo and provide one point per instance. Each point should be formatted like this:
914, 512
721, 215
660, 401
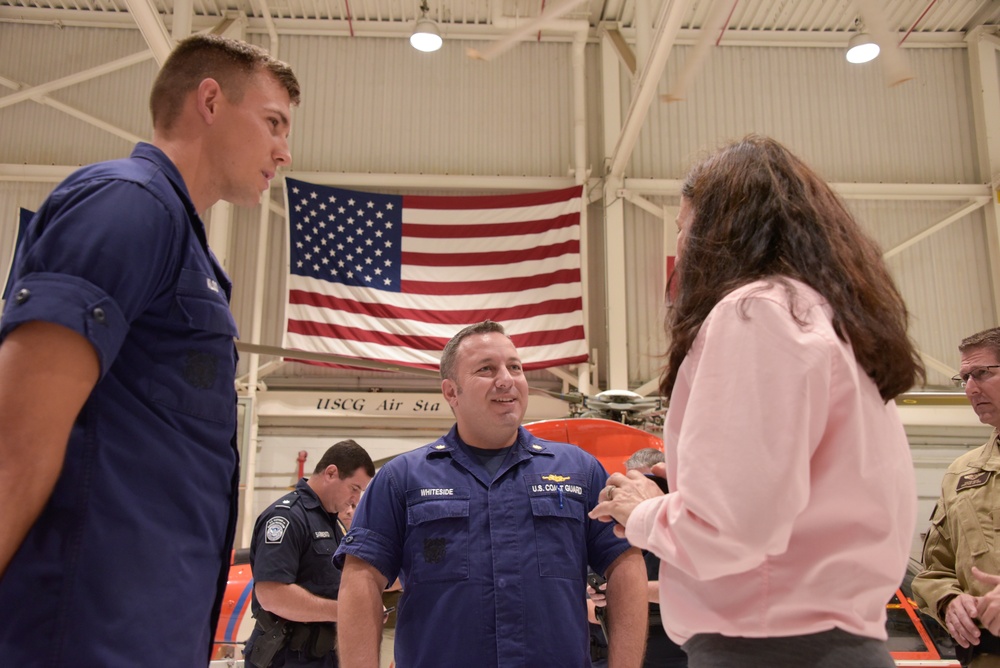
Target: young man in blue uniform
118, 465
291, 556
487, 529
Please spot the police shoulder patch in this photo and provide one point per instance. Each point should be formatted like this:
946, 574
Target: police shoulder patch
274, 530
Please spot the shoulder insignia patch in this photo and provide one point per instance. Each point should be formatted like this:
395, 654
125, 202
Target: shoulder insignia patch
274, 530
973, 480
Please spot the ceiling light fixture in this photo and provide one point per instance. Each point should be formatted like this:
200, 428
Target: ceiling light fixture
426, 36
861, 48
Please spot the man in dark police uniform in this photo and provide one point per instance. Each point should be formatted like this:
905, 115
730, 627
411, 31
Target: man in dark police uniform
291, 556
487, 529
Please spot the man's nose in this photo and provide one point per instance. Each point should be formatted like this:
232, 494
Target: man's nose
283, 156
504, 379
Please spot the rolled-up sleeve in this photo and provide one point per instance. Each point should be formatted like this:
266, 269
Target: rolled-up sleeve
89, 263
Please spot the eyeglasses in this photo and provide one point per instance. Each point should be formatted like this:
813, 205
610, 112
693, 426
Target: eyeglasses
979, 374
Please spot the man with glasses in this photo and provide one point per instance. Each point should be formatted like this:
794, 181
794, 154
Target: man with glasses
961, 544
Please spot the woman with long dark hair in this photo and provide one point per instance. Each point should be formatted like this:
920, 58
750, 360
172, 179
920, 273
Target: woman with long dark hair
793, 504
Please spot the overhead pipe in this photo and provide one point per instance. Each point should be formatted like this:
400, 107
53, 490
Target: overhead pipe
272, 33
725, 26
253, 363
301, 459
580, 174
919, 19
350, 21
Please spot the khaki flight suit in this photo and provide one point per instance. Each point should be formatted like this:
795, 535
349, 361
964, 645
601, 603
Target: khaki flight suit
963, 534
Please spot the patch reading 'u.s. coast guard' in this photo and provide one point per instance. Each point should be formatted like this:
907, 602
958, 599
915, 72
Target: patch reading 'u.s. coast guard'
274, 530
556, 484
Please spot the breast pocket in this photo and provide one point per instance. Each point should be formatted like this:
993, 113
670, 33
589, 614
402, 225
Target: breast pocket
320, 570
559, 535
971, 526
438, 540
198, 369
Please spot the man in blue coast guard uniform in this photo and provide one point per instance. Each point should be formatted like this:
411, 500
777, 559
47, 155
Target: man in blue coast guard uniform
487, 529
118, 465
291, 556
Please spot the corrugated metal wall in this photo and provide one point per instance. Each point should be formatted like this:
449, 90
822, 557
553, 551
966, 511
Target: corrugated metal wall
375, 105
37, 134
849, 126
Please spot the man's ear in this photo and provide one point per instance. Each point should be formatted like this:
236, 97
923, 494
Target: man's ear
331, 471
207, 99
449, 389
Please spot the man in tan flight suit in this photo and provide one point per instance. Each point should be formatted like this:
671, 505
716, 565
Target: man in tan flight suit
962, 541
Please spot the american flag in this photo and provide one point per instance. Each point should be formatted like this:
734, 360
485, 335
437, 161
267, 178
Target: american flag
393, 277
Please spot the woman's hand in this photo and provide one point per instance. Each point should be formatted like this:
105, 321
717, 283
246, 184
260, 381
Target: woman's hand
622, 494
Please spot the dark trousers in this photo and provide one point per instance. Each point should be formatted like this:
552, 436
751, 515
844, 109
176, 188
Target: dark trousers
828, 649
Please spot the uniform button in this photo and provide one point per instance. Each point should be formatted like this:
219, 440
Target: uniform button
22, 296
349, 539
502, 582
99, 314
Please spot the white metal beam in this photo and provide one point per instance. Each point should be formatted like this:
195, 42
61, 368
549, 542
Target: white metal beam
985, 80
616, 318
458, 31
183, 16
73, 111
958, 214
73, 79
668, 25
147, 17
874, 191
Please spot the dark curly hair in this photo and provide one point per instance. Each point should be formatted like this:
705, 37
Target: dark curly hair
759, 212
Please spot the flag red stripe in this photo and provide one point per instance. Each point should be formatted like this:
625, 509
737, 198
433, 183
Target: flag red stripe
548, 307
434, 343
471, 231
430, 367
309, 328
491, 201
528, 366
491, 257
496, 285
548, 337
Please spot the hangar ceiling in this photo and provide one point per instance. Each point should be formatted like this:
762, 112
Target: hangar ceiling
748, 21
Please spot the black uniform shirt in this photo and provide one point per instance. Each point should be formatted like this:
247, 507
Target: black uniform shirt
294, 541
